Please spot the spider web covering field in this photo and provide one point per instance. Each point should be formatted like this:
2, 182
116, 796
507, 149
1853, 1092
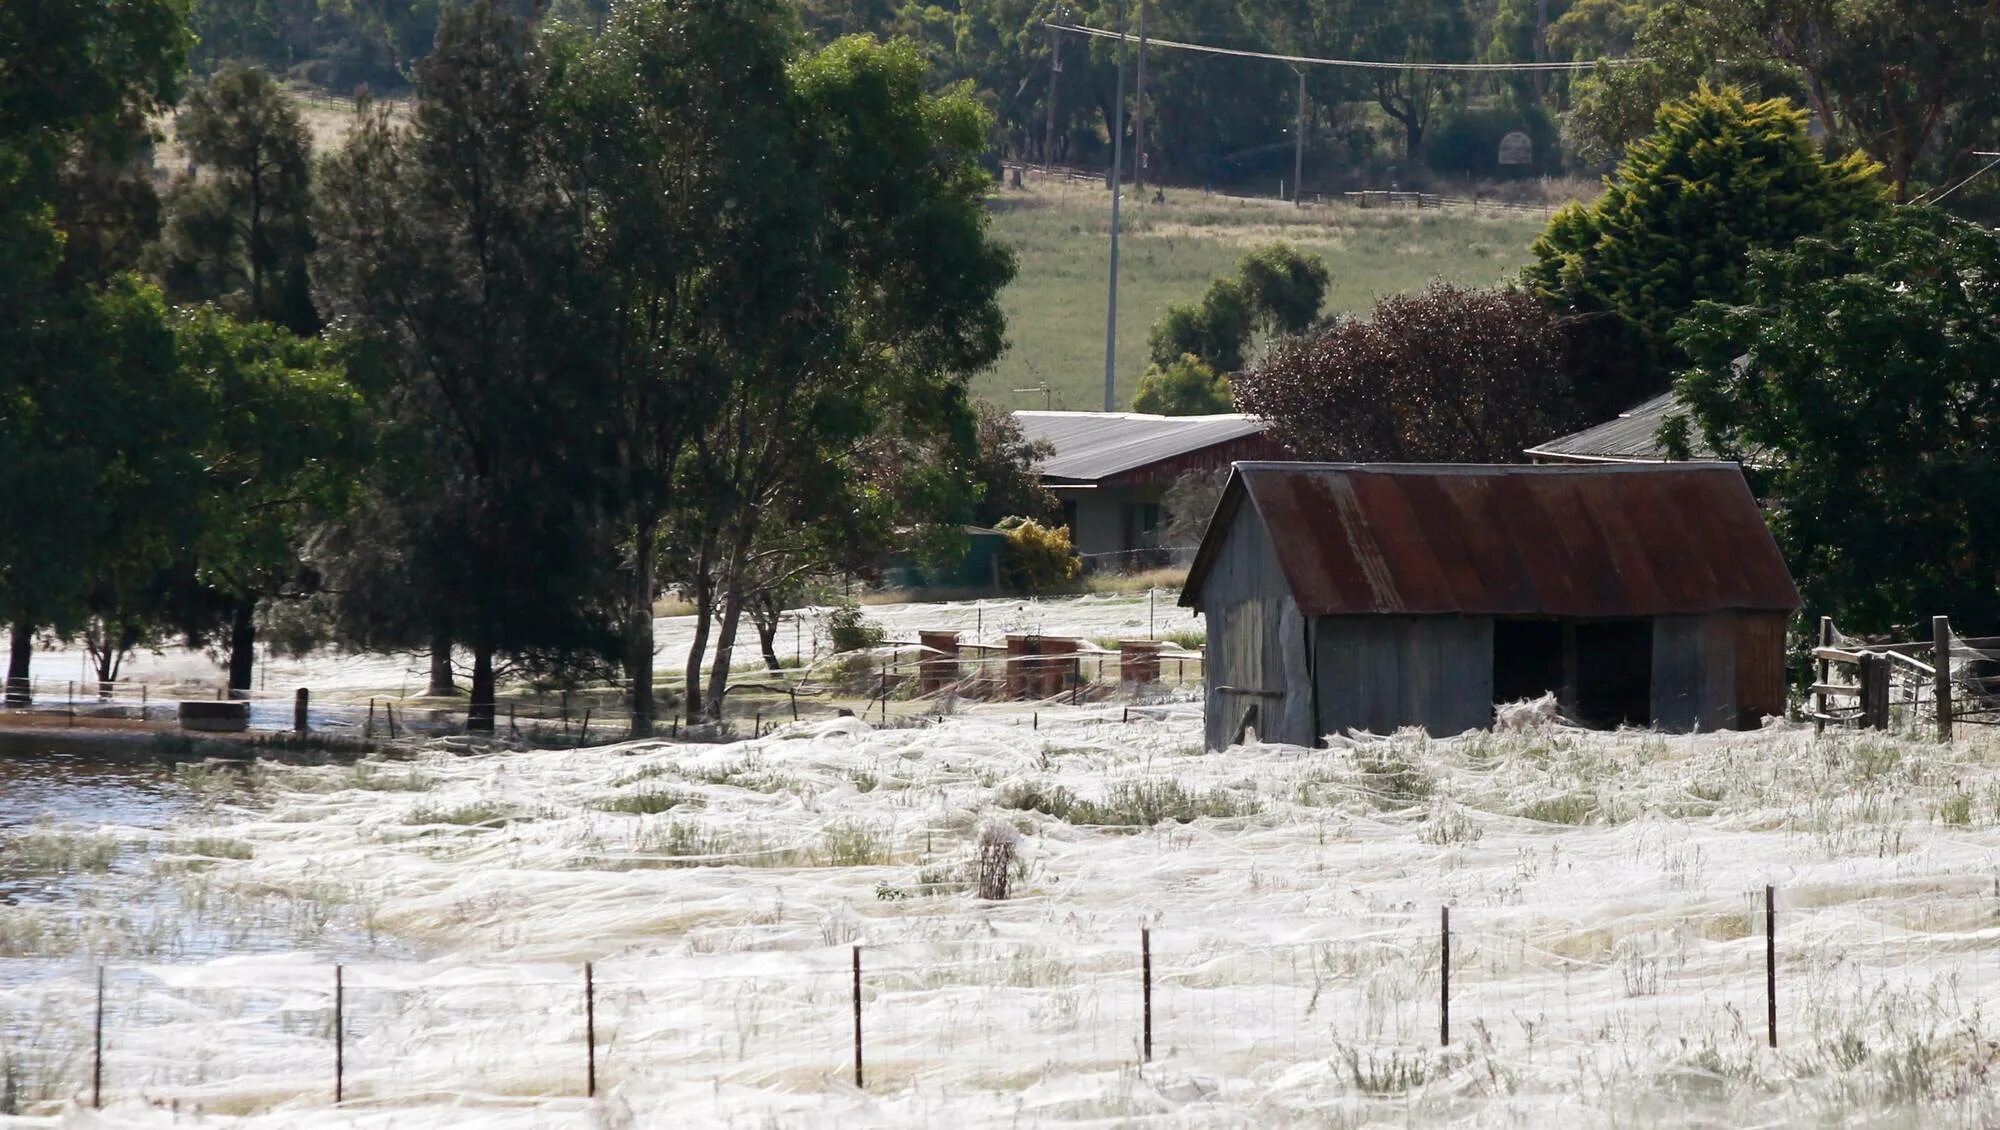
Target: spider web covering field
1607, 916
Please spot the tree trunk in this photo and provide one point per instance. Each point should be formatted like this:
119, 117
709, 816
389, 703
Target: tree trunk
480, 711
725, 649
639, 632
20, 653
704, 616
765, 615
442, 685
242, 646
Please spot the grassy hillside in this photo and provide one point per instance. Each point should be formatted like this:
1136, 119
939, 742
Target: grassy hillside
1169, 253
1055, 308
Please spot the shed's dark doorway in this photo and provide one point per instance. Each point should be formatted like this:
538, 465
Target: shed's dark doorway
1614, 673
1527, 659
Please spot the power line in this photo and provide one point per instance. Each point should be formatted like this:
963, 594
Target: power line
1358, 64
1927, 198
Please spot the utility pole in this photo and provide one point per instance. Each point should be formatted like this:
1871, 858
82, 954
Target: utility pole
1541, 47
1055, 71
1117, 190
1299, 144
1139, 112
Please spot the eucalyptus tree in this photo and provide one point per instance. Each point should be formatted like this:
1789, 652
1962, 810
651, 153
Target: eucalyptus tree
895, 308
238, 230
74, 77
685, 152
453, 252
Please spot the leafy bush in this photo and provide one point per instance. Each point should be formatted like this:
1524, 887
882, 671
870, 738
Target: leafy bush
1277, 289
1391, 780
1128, 804
852, 845
1037, 558
1451, 375
646, 801
1717, 178
474, 814
1863, 362
1188, 387
1569, 808
1216, 329
1286, 287
848, 630
1038, 796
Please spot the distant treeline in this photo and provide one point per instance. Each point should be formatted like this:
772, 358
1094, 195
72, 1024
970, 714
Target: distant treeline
1912, 86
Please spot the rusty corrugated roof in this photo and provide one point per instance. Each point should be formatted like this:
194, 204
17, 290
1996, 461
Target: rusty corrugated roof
1582, 542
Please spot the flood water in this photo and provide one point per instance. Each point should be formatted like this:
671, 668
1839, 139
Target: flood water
103, 855
39, 786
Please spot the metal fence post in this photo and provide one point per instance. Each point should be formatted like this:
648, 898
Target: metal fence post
590, 1027
1444, 976
1941, 675
339, 1035
97, 1052
1771, 962
1146, 977
857, 1016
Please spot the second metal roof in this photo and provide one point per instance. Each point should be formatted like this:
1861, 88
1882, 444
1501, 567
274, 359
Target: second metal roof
1090, 446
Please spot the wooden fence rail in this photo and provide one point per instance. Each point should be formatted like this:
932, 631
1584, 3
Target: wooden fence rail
1876, 664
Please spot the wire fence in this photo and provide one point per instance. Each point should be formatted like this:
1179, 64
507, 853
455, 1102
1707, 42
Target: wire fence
905, 680
1387, 999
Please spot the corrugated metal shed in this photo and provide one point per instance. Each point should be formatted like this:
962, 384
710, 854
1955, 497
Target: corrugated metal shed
1634, 437
1093, 446
1597, 542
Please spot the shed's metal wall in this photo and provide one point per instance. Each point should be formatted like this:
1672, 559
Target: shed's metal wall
1694, 672
1256, 641
1760, 667
1380, 673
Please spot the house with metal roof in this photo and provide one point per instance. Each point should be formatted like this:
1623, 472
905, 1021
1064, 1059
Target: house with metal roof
1633, 437
1369, 597
1110, 470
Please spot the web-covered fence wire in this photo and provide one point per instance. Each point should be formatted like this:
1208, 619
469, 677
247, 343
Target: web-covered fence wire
1357, 996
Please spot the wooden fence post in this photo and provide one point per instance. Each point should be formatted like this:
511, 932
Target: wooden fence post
339, 1035
1444, 976
1941, 676
1146, 975
1771, 962
590, 1029
1824, 670
1874, 691
301, 702
857, 1016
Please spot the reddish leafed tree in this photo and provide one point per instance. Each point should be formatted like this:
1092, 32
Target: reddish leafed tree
1449, 375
